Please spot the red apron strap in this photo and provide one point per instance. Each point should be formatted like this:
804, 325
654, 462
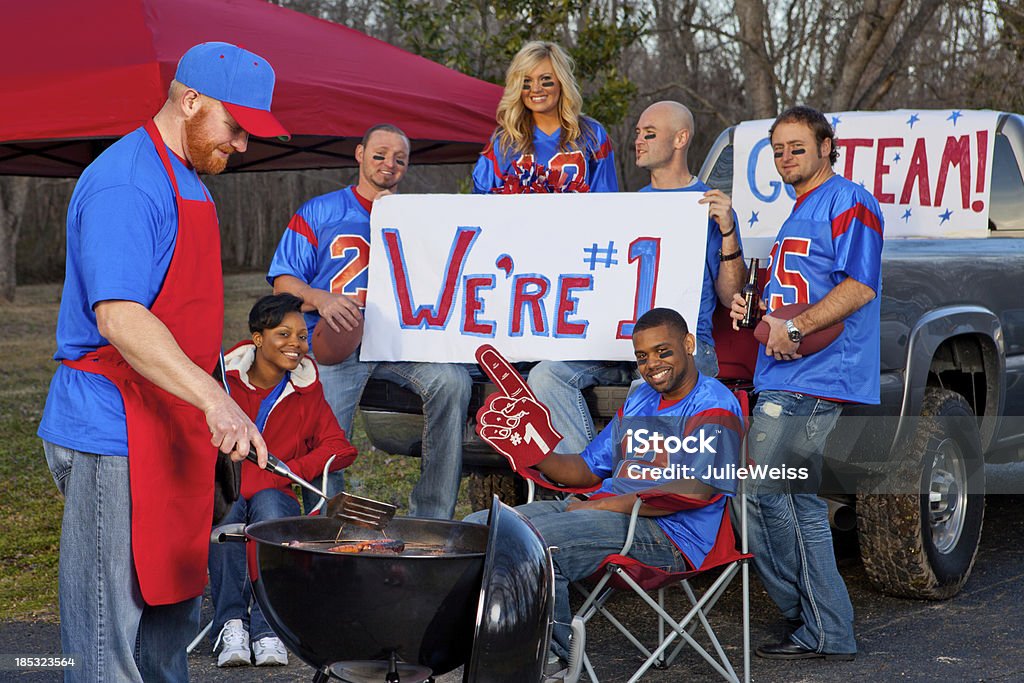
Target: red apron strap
161, 150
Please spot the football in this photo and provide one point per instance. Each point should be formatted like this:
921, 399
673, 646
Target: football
330, 347
813, 342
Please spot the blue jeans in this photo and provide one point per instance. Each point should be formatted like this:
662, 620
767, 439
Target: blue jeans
582, 539
559, 385
104, 621
789, 532
230, 588
445, 389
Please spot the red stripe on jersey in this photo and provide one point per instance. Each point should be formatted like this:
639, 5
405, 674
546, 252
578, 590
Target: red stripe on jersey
604, 150
719, 416
859, 212
492, 154
298, 224
363, 201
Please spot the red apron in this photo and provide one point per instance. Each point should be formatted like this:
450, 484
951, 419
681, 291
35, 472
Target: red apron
171, 461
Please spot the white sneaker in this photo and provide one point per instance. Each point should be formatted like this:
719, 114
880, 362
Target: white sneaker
270, 651
235, 639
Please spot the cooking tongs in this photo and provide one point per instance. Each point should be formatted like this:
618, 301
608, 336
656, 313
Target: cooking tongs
364, 512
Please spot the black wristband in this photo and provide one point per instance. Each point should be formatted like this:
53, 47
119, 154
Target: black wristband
729, 257
731, 231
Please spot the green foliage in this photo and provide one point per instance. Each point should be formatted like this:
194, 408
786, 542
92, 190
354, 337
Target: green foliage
480, 39
29, 503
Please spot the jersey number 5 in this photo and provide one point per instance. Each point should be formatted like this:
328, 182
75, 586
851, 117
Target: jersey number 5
785, 254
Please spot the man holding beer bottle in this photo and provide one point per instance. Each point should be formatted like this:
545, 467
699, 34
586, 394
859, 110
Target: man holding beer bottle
828, 254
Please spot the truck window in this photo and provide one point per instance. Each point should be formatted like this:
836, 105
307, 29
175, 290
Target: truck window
721, 174
1006, 211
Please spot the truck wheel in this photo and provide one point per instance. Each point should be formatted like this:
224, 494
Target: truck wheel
923, 546
482, 486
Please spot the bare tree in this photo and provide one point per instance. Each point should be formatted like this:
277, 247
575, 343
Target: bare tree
757, 65
13, 193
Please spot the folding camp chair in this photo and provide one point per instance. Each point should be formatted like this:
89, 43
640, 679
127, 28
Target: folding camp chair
620, 572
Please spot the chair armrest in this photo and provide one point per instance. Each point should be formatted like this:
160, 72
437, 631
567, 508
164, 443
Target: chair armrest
663, 501
633, 516
675, 502
535, 475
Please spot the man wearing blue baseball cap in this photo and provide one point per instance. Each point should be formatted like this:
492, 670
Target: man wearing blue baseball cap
134, 418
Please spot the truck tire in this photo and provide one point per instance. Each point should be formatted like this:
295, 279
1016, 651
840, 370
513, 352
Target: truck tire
482, 486
924, 546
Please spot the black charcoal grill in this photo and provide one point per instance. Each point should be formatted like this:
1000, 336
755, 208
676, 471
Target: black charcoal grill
485, 602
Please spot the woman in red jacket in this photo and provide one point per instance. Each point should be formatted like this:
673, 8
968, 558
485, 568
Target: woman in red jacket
274, 382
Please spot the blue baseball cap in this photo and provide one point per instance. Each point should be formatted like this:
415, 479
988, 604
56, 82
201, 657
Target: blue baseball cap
241, 80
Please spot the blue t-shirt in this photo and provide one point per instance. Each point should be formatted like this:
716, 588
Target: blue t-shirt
708, 297
121, 231
327, 246
710, 414
589, 169
834, 232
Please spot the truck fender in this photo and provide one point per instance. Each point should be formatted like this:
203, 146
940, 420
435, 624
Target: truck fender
931, 330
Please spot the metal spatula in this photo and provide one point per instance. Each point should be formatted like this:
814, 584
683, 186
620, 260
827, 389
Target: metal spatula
364, 512
360, 511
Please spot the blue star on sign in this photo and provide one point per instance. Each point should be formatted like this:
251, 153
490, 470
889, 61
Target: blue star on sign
836, 121
906, 216
954, 116
914, 118
945, 216
753, 218
896, 159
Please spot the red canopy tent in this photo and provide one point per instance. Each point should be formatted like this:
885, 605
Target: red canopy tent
74, 76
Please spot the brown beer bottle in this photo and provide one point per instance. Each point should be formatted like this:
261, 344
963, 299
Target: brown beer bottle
749, 292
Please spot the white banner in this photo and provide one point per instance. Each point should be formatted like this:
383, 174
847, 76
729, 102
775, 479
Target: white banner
929, 170
557, 277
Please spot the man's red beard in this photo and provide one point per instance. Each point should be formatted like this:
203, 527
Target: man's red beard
201, 149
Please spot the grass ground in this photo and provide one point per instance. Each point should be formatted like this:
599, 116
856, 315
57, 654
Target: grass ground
31, 507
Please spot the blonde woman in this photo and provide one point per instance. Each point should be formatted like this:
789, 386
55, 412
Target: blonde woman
543, 143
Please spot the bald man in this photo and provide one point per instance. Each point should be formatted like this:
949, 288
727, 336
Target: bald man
663, 135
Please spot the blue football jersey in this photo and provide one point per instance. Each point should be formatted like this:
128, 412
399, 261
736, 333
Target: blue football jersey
327, 246
712, 264
711, 414
547, 169
834, 232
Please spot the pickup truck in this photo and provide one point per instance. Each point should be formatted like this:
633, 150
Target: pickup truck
952, 388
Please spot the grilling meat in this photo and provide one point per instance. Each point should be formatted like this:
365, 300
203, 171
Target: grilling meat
381, 545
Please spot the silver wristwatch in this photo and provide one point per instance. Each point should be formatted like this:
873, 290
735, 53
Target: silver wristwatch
795, 335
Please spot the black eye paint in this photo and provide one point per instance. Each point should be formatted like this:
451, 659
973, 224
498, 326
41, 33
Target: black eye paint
400, 162
650, 136
378, 157
547, 83
794, 152
667, 353
526, 85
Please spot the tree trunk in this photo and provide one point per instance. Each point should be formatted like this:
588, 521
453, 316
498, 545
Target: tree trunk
757, 67
13, 193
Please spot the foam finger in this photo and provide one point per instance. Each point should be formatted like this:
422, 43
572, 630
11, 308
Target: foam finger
501, 372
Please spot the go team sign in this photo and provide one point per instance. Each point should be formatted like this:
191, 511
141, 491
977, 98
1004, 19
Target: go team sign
556, 277
929, 170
